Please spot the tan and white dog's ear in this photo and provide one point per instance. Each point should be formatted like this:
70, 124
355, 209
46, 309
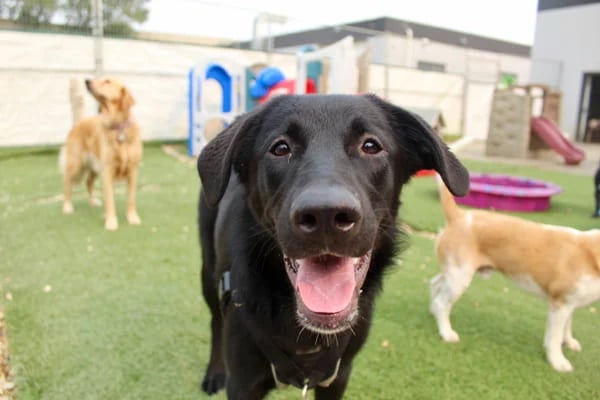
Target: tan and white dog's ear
423, 148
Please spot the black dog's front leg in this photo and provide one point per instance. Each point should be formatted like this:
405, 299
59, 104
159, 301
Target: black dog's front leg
214, 377
257, 392
248, 371
248, 382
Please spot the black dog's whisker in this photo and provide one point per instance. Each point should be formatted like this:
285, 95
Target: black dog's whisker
352, 329
302, 328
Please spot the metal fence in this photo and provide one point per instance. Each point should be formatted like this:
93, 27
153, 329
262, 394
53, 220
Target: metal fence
75, 16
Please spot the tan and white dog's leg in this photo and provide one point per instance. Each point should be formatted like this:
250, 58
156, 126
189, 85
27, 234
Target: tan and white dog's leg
569, 341
68, 172
89, 183
132, 216
558, 321
111, 223
445, 290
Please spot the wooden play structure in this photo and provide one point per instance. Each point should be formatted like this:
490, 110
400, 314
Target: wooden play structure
525, 120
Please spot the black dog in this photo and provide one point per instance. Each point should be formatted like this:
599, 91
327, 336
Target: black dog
298, 223
596, 212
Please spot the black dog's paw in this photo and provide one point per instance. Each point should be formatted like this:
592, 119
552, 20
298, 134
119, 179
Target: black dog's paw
213, 382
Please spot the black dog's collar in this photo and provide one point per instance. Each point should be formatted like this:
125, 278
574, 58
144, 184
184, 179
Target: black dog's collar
307, 383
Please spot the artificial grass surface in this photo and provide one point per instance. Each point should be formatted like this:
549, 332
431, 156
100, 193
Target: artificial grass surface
118, 315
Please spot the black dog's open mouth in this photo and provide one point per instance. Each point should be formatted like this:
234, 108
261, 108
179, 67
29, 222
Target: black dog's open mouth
327, 289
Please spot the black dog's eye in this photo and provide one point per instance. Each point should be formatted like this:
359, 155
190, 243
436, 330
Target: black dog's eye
370, 146
280, 149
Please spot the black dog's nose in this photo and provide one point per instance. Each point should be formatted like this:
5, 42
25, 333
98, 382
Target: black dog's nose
326, 210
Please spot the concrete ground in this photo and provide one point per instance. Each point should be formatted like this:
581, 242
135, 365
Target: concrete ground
547, 159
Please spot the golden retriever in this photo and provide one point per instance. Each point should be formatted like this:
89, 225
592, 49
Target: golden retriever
108, 144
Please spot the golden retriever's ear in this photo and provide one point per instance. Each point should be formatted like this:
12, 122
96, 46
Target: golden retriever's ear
127, 100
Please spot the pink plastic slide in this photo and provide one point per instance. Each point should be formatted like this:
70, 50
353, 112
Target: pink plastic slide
551, 134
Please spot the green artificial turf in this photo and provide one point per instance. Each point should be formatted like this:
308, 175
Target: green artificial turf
118, 315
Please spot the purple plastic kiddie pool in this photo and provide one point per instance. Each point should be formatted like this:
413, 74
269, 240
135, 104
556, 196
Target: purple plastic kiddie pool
509, 193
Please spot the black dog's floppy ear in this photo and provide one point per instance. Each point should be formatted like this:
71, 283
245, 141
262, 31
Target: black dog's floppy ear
424, 147
217, 157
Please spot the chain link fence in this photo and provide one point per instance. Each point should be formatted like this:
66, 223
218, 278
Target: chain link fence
74, 16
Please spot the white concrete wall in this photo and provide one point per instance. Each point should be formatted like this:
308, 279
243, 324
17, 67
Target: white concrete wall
34, 82
566, 45
35, 70
413, 88
481, 69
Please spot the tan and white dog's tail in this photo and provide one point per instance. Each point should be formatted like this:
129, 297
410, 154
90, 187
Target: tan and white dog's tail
77, 98
451, 209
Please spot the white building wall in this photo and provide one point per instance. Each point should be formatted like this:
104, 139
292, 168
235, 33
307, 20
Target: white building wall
465, 91
566, 45
479, 65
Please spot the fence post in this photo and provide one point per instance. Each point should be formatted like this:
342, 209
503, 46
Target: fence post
98, 33
465, 93
386, 68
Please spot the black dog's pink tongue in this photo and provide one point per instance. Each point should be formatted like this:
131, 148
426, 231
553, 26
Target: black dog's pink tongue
326, 284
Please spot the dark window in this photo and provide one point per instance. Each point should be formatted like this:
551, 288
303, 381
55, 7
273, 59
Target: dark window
431, 66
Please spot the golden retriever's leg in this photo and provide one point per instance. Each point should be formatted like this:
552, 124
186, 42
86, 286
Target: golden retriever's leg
445, 290
111, 223
132, 215
570, 341
72, 171
558, 318
67, 192
94, 202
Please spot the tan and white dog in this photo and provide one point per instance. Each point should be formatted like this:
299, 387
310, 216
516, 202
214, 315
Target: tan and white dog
558, 263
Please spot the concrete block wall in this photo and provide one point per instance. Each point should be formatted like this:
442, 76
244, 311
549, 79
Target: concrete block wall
509, 129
